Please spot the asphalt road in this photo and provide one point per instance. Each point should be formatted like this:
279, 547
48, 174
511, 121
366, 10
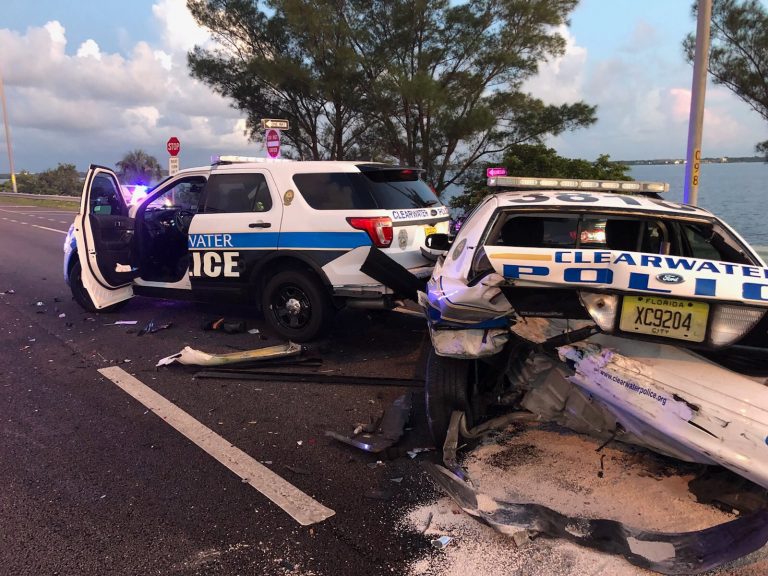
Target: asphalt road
94, 483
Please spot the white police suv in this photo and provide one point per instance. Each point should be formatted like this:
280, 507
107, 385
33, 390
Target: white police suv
301, 239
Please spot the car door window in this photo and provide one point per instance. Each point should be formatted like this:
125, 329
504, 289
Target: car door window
228, 193
105, 198
183, 195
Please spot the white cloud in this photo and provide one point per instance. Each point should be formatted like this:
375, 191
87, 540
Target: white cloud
86, 105
643, 104
560, 79
180, 30
89, 49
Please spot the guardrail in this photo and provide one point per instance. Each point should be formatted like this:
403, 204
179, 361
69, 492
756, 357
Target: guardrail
41, 196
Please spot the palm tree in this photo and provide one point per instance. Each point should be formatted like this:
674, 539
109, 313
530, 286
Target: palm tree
138, 167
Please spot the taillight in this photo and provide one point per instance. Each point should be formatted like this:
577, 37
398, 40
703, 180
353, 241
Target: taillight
379, 229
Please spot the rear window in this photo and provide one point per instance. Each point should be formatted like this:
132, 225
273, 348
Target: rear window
378, 189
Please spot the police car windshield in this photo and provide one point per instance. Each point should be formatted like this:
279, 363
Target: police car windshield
379, 189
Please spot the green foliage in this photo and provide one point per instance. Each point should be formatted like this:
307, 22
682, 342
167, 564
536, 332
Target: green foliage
63, 180
738, 56
538, 160
429, 83
138, 167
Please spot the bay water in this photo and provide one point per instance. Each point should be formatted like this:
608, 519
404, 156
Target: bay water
737, 193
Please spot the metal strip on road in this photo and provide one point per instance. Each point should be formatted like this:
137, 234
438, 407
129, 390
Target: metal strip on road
301, 507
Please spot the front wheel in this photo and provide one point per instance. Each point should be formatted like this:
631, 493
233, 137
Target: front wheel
296, 305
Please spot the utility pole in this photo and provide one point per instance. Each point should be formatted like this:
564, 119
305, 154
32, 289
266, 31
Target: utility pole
698, 89
7, 134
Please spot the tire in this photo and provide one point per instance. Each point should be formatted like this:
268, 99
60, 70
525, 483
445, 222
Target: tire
80, 294
447, 388
296, 305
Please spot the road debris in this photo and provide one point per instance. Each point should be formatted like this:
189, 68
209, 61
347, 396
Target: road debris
263, 374
441, 542
664, 552
226, 326
120, 322
150, 328
389, 431
190, 356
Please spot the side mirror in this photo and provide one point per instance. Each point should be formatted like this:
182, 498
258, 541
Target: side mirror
438, 242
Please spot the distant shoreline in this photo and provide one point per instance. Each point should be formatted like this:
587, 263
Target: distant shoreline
681, 161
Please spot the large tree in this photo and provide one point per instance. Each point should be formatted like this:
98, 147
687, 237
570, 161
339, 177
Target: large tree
138, 167
429, 83
738, 57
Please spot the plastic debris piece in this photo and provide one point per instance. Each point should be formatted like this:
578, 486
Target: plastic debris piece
412, 453
397, 480
11, 291
375, 464
664, 552
62, 315
441, 542
122, 323
299, 442
389, 432
190, 356
253, 331
41, 303
151, 328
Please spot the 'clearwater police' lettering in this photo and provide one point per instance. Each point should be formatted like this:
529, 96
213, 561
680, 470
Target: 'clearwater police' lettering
593, 267
215, 264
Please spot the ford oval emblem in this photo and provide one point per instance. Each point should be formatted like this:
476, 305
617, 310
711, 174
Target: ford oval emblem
670, 278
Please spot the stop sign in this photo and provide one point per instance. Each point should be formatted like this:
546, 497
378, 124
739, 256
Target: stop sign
273, 143
173, 146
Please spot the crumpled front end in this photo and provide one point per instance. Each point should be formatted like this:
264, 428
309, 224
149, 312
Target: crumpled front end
466, 322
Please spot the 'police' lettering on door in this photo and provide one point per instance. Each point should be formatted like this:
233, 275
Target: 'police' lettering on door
215, 264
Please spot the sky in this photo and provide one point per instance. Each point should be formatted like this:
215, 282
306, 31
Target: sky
87, 81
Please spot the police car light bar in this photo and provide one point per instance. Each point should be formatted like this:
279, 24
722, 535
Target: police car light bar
528, 183
227, 159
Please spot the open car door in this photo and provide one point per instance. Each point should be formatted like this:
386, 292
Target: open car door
104, 234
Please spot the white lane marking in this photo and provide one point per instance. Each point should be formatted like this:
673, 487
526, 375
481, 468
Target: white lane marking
301, 507
46, 228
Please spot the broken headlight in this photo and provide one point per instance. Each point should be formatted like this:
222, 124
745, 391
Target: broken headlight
602, 308
730, 323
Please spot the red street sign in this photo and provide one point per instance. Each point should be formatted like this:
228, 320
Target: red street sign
273, 143
491, 172
173, 146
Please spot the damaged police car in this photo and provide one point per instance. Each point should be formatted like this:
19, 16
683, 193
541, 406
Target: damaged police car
605, 308
300, 239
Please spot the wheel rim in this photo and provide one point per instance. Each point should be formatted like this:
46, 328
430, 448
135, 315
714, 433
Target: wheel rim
291, 307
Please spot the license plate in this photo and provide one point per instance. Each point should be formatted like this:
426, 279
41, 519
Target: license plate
429, 230
664, 317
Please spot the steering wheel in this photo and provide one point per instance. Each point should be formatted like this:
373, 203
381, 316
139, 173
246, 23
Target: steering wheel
182, 219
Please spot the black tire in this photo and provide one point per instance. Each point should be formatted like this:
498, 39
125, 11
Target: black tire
447, 388
296, 305
80, 294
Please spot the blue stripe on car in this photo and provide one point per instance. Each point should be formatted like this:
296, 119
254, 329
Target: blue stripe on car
326, 240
